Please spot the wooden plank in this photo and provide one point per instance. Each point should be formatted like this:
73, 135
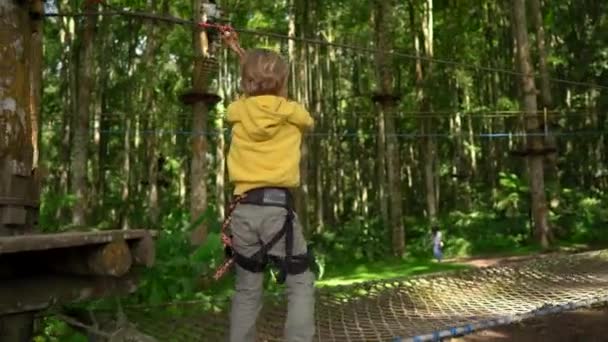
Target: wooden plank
39, 242
39, 292
20, 202
13, 215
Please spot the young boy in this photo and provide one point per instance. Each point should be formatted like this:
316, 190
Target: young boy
437, 243
263, 163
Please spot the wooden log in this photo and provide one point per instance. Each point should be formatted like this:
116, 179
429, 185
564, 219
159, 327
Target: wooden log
115, 258
111, 259
17, 327
39, 242
39, 292
144, 251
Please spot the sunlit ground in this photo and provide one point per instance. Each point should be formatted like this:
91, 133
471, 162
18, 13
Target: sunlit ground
382, 270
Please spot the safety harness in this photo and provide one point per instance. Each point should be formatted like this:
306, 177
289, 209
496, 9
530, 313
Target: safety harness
290, 264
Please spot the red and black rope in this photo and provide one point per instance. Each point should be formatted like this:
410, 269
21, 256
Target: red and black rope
226, 238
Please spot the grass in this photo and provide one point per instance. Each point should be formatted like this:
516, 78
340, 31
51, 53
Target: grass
346, 274
351, 273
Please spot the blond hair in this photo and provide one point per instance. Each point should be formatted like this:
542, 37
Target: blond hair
264, 73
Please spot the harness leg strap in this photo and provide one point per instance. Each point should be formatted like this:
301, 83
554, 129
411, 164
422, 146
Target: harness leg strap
290, 264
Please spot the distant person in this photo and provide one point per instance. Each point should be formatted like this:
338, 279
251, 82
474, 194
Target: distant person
437, 243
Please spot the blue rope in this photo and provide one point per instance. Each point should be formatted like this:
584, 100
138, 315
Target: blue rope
504, 320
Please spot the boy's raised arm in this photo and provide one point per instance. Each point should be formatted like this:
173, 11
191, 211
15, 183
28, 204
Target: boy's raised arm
301, 118
231, 39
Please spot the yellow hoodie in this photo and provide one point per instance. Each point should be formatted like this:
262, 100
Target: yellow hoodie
266, 138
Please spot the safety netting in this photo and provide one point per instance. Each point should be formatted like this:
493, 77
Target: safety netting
422, 308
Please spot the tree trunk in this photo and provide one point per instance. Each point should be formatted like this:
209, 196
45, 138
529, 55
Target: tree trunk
126, 174
388, 103
535, 143
220, 151
545, 83
20, 32
80, 141
149, 120
69, 98
20, 86
199, 144
422, 77
546, 97
35, 55
298, 9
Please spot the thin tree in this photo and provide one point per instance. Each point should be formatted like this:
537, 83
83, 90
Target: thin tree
80, 141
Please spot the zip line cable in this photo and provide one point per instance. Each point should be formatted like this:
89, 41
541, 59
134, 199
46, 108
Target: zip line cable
415, 115
180, 21
347, 134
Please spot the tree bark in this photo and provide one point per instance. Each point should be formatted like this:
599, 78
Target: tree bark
126, 174
35, 55
199, 143
545, 83
535, 143
20, 92
422, 80
80, 141
149, 120
67, 93
20, 34
388, 103
220, 151
545, 95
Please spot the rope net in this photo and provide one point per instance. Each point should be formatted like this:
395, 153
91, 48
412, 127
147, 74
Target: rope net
423, 308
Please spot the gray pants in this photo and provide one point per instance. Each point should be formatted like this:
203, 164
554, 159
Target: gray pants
251, 225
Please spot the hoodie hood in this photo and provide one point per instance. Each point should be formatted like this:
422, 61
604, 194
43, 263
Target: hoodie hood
261, 116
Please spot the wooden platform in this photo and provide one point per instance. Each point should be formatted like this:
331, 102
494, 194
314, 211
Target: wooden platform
40, 242
36, 293
101, 253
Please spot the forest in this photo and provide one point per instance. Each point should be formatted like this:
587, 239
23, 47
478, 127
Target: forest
487, 119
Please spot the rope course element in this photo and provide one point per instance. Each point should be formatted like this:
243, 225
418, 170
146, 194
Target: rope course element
359, 134
440, 114
180, 21
423, 308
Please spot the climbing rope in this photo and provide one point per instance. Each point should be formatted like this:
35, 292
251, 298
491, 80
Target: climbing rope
423, 308
227, 239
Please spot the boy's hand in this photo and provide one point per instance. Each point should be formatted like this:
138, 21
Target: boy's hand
231, 38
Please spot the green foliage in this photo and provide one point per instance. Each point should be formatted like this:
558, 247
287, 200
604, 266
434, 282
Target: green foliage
54, 330
337, 83
580, 218
511, 198
51, 204
359, 239
180, 269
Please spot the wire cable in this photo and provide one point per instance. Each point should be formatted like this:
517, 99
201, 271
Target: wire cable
180, 21
351, 134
